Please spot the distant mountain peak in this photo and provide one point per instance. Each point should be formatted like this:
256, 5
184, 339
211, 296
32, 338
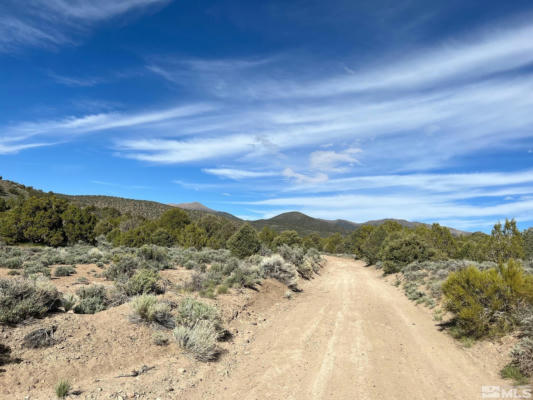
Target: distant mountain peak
196, 206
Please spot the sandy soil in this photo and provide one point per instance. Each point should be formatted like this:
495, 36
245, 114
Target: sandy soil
349, 335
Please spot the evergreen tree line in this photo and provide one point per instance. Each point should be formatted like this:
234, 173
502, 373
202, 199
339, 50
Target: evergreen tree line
54, 221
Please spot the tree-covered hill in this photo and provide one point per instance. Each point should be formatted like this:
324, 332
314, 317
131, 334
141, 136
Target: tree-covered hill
299, 222
143, 208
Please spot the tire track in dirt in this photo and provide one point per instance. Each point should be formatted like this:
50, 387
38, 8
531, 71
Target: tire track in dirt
351, 335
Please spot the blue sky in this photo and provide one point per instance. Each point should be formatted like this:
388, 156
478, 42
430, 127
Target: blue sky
357, 110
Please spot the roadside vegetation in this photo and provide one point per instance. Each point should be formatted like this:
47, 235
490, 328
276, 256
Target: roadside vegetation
46, 238
479, 285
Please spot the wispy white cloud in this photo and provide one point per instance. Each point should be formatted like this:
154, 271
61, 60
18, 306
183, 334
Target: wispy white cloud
94, 10
440, 183
496, 50
333, 161
15, 32
76, 81
302, 178
433, 109
182, 151
199, 186
17, 135
15, 148
459, 119
49, 23
238, 174
216, 76
464, 201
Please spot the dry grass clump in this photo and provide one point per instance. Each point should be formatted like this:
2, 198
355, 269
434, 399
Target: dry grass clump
92, 299
64, 270
199, 328
144, 281
160, 339
147, 308
200, 340
190, 311
276, 267
21, 299
62, 388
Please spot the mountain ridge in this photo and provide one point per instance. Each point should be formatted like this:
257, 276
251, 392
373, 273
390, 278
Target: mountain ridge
292, 220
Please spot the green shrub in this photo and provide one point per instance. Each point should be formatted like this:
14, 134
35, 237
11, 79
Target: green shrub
305, 269
486, 302
334, 244
305, 266
155, 254
160, 339
522, 356
68, 302
275, 267
374, 240
514, 373
194, 264
36, 268
95, 254
200, 340
293, 255
314, 256
390, 267
144, 281
162, 237
528, 244
64, 270
146, 308
193, 236
412, 292
116, 295
123, 268
222, 289
143, 305
196, 283
62, 389
92, 299
82, 280
191, 311
403, 251
244, 242
21, 299
289, 238
13, 263
244, 276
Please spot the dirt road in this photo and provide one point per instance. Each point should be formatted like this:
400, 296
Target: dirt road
351, 335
